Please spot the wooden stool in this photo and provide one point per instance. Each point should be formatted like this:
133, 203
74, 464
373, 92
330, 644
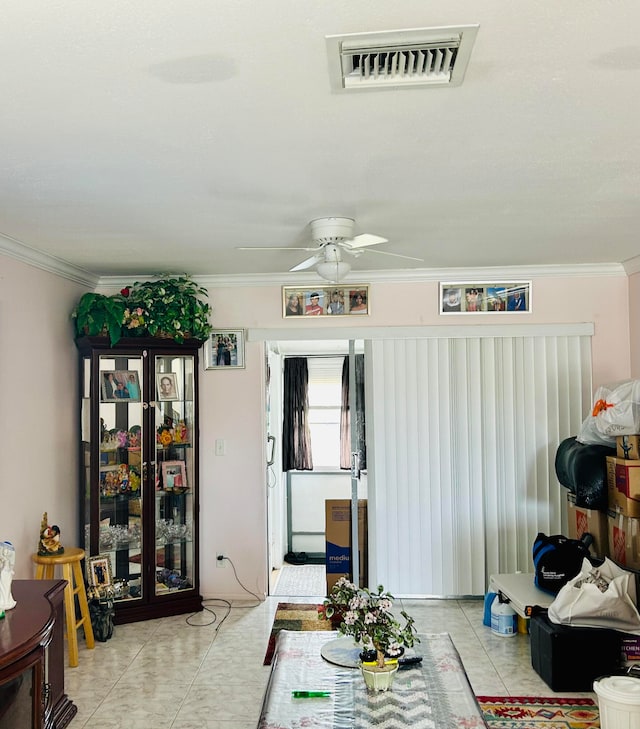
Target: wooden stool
72, 572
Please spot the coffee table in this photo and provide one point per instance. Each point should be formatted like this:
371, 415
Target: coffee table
435, 694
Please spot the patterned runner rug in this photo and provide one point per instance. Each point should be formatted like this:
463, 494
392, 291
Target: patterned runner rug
295, 616
529, 712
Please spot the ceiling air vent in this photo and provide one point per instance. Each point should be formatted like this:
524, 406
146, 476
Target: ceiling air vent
417, 57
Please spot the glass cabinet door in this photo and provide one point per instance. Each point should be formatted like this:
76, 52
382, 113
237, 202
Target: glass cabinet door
174, 472
139, 477
120, 473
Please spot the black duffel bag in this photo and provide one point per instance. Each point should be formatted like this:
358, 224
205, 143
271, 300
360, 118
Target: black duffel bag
557, 559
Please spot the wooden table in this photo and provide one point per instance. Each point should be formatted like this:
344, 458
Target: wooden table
32, 658
437, 693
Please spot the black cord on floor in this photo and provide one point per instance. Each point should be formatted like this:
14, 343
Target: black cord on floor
225, 603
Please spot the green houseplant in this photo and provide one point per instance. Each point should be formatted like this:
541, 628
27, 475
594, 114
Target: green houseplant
171, 306
96, 314
367, 617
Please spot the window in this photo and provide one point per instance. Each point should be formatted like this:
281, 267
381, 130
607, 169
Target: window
325, 402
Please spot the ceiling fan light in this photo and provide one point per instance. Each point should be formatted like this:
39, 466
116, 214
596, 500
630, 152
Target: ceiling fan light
333, 270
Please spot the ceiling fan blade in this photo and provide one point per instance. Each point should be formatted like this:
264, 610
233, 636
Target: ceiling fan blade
274, 248
397, 255
307, 263
366, 239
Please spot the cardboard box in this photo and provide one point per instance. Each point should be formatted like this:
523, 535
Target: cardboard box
624, 541
628, 447
591, 521
338, 540
631, 648
623, 485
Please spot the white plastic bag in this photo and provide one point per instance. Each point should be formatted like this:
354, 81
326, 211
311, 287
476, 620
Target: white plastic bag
616, 408
584, 604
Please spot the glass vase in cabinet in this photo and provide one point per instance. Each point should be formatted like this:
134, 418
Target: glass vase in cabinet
139, 474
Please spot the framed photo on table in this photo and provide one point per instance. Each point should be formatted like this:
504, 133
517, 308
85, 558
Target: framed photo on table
224, 350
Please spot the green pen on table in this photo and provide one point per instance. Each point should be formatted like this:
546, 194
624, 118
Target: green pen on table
310, 694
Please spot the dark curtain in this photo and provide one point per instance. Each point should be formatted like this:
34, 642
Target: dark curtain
296, 438
359, 417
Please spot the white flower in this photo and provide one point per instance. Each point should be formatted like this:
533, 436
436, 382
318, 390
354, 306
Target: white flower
350, 617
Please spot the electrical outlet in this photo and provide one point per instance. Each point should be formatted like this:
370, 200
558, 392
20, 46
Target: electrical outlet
220, 561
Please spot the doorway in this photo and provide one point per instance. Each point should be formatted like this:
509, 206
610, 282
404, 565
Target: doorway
296, 499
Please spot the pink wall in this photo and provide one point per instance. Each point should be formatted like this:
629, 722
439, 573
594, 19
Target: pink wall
38, 372
233, 500
634, 323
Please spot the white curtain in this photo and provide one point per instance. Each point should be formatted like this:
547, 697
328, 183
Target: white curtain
462, 434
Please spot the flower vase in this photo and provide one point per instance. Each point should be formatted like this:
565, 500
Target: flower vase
376, 678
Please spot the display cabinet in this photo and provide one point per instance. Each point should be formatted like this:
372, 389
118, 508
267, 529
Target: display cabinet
139, 473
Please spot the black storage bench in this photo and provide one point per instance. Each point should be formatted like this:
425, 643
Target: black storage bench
569, 658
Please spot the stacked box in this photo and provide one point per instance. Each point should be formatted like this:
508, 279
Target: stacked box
569, 658
623, 485
338, 540
624, 540
628, 447
591, 521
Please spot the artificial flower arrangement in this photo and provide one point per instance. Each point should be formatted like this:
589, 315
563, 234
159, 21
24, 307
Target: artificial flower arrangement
167, 433
367, 617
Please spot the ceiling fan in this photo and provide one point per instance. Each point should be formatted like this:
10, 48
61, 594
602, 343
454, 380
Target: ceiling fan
332, 238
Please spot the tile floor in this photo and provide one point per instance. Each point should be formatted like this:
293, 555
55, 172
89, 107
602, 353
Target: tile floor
206, 672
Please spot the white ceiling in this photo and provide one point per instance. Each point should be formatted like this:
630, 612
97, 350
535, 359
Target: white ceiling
158, 136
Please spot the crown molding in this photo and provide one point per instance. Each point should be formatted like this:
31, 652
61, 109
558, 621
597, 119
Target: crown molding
20, 252
485, 274
632, 265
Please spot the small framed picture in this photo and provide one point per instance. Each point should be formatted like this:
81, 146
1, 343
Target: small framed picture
174, 477
485, 297
336, 300
99, 575
119, 385
225, 349
166, 386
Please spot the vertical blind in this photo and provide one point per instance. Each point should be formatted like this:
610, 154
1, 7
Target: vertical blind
462, 435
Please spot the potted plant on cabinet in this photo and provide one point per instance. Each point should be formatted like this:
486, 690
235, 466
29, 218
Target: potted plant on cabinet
98, 314
367, 616
169, 306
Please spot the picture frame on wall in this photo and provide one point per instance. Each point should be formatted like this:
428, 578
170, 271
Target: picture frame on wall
322, 301
224, 350
119, 386
487, 297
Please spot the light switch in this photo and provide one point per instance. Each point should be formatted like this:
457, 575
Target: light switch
220, 447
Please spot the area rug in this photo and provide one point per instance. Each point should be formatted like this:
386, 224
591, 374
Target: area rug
530, 712
295, 616
306, 580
